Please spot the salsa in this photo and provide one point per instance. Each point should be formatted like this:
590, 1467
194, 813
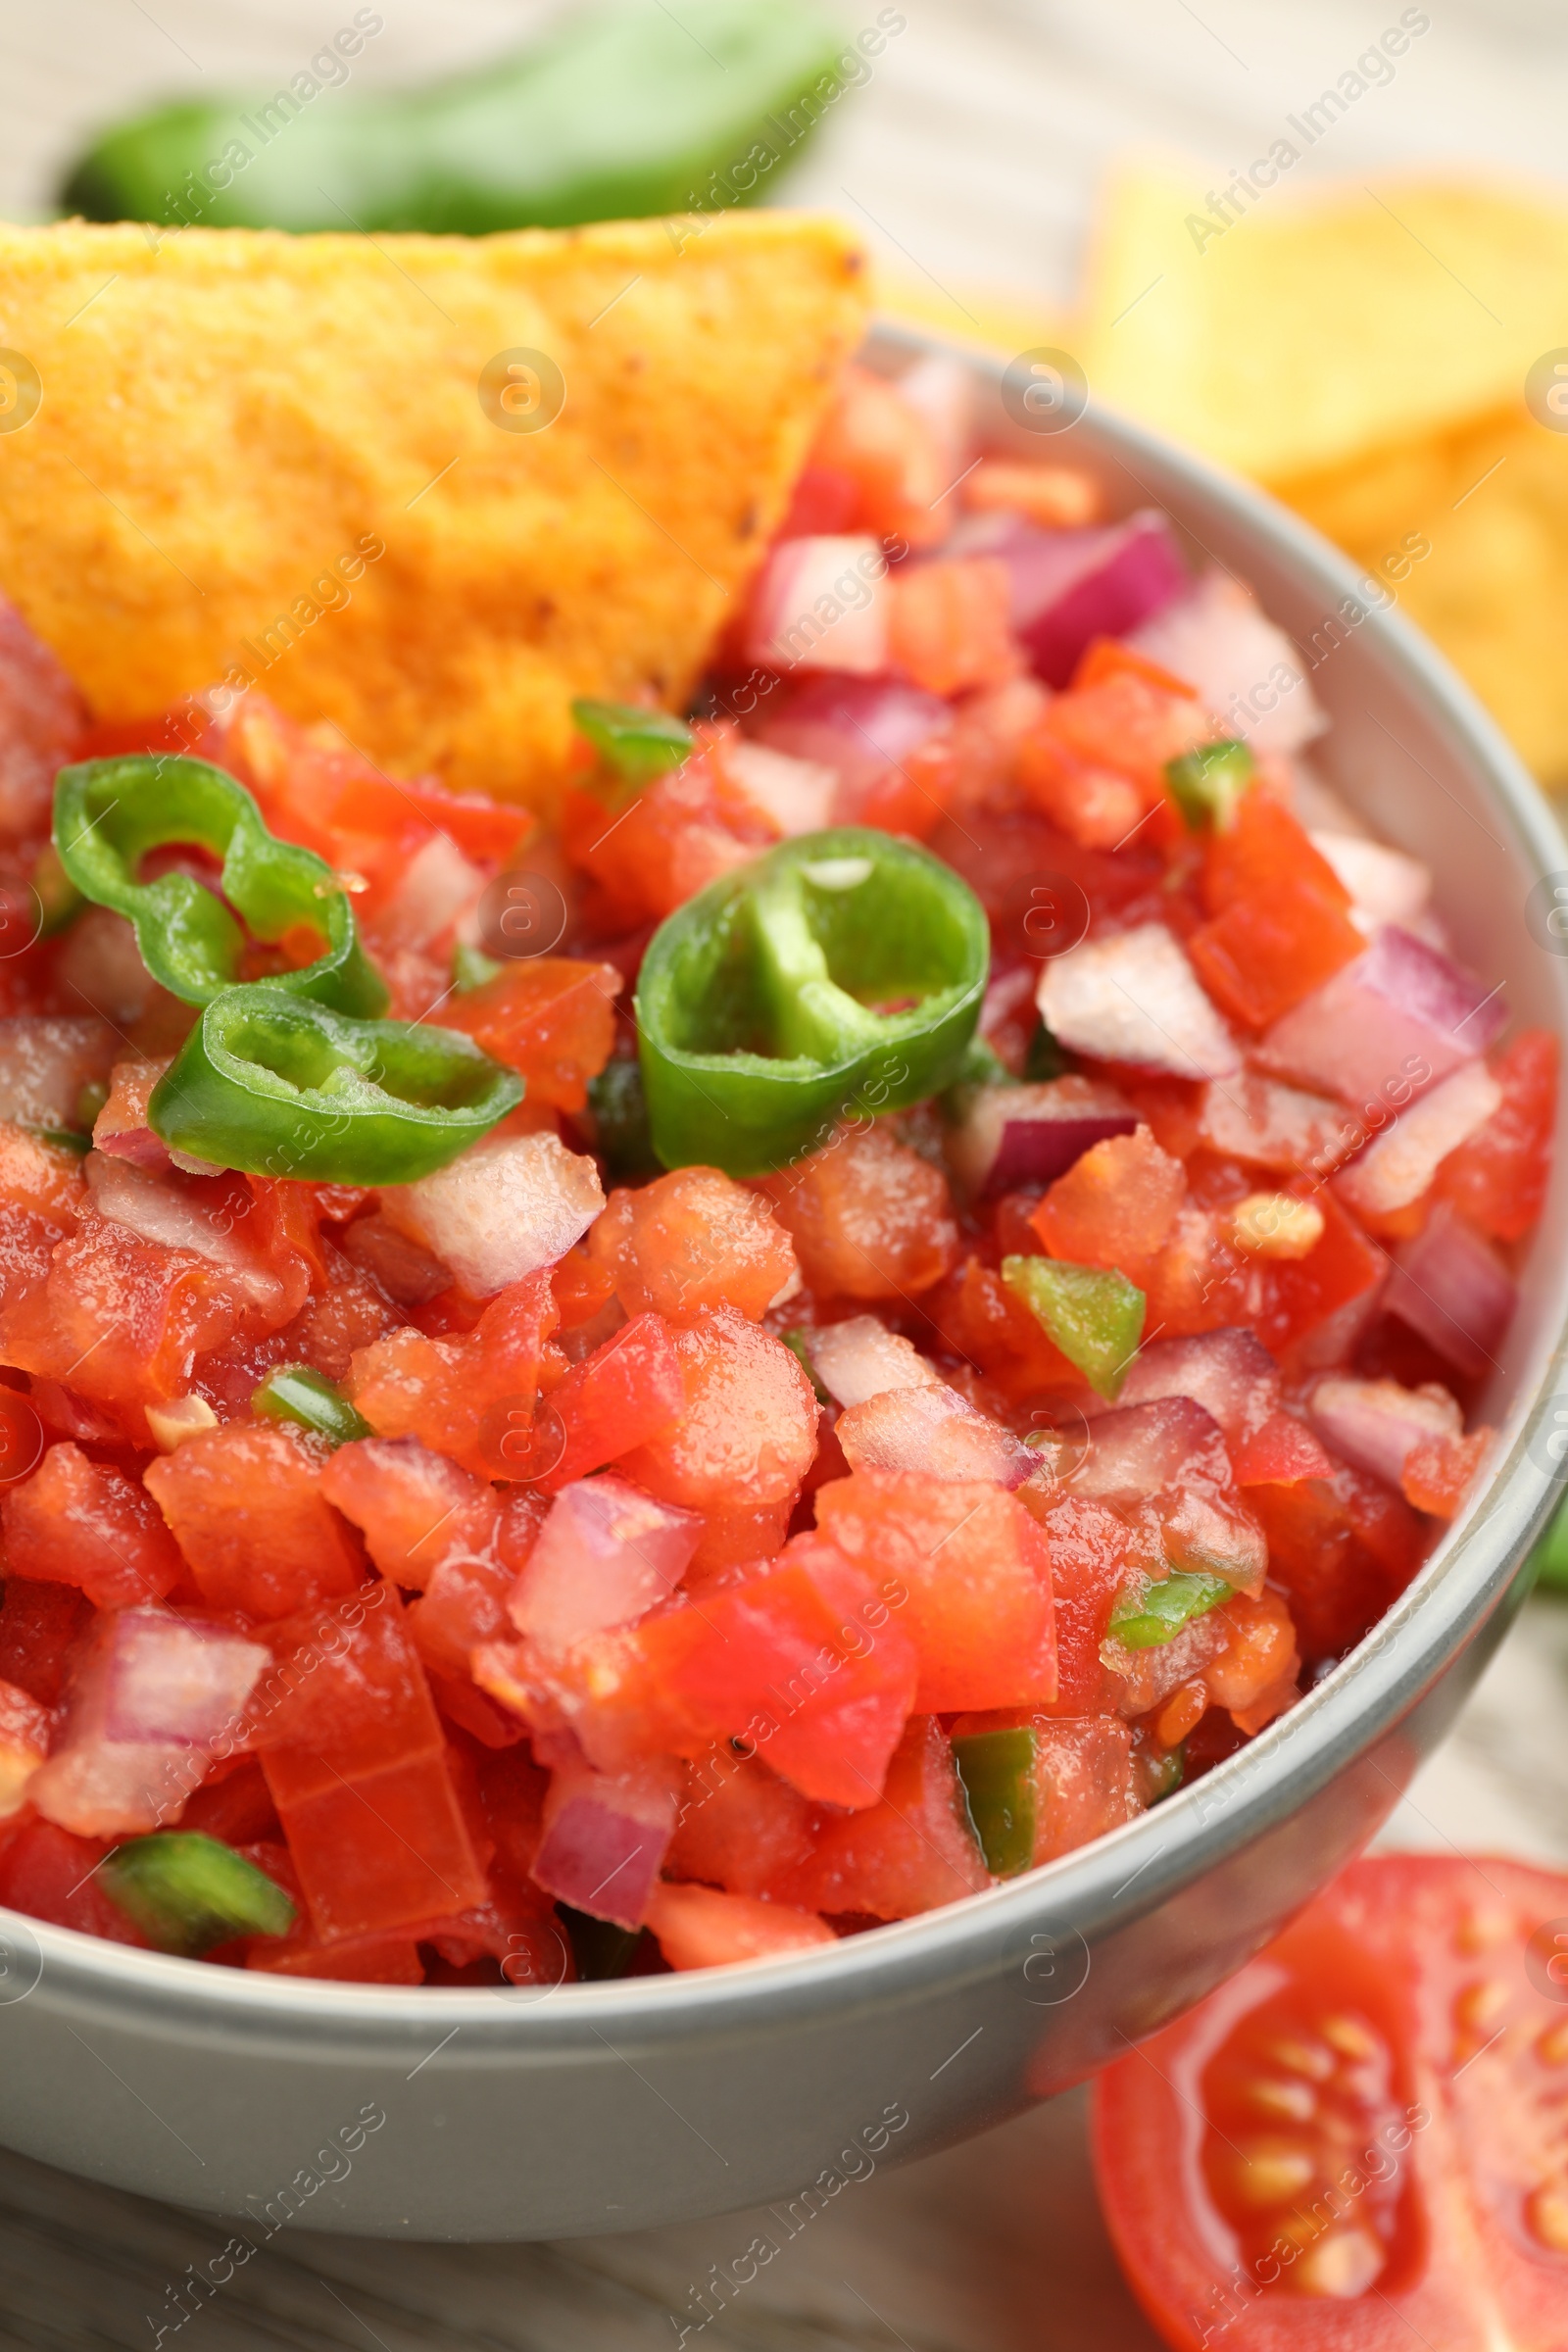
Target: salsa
811, 1334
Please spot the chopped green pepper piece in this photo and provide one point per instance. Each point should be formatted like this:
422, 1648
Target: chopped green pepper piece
600, 1950
294, 1392
796, 1342
637, 743
842, 967
59, 899
69, 1139
616, 115
997, 1772
274, 1084
1095, 1318
1549, 1559
1157, 1614
1208, 784
472, 967
1044, 1060
187, 1891
620, 1114
109, 813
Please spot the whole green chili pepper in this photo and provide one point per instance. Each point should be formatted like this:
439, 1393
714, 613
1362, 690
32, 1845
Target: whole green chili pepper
273, 1084
187, 1891
109, 813
630, 111
758, 1002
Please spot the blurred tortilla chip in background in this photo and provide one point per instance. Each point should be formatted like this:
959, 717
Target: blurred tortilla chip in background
569, 447
1364, 353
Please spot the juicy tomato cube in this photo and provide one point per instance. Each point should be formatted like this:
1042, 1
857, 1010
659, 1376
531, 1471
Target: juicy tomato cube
455, 1395
739, 1826
871, 1218
246, 1507
949, 626
1438, 1471
624, 1394
549, 1017
51, 1874
975, 1575
698, 1928
910, 1852
39, 1627
1115, 1207
690, 1240
982, 1319
413, 1507
682, 832
1088, 1546
746, 1434
1264, 955
1075, 1780
356, 1759
885, 447
80, 1522
1497, 1178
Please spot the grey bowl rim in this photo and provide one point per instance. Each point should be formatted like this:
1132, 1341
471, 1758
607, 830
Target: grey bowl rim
1335, 1725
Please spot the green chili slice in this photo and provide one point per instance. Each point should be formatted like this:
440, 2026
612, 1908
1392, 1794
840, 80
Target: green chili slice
294, 1392
109, 813
997, 1772
187, 1891
841, 969
1095, 1317
1147, 1619
637, 743
274, 1084
1208, 784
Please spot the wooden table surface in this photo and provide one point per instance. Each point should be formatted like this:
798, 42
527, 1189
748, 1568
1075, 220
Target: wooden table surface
971, 161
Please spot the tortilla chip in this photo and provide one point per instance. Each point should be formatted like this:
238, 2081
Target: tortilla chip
1489, 503
268, 459
1306, 327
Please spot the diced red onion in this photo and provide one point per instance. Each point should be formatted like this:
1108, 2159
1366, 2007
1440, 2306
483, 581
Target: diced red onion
861, 1358
1245, 670
436, 888
942, 388
172, 1681
1401, 1016
502, 1209
605, 1840
860, 727
794, 795
44, 1065
936, 1431
1142, 1449
1125, 576
605, 1555
1017, 1136
1275, 1125
1397, 1165
1453, 1288
820, 603
1387, 886
1135, 997
1229, 1372
1375, 1423
165, 1209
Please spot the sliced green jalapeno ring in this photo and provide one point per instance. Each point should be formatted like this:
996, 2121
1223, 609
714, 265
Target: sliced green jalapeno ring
843, 968
109, 813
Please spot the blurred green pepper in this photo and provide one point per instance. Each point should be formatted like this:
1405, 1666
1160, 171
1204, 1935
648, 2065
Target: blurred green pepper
632, 111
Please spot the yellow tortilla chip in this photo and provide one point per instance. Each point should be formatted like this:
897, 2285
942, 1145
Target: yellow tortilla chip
1469, 529
333, 466
1286, 331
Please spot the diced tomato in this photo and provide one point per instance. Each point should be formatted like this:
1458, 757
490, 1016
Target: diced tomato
1339, 1277
948, 627
1439, 1472
413, 1507
463, 1604
625, 1393
698, 1928
1343, 1548
1088, 1548
40, 1624
871, 1218
977, 1576
246, 1507
1264, 955
912, 1852
678, 834
882, 444
1115, 1207
1083, 1781
1095, 762
444, 1391
80, 1522
740, 1825
1364, 2120
747, 1435
356, 1760
348, 1960
52, 1874
1278, 1452
691, 1240
233, 1803
802, 1657
1497, 1179
978, 1317
550, 1017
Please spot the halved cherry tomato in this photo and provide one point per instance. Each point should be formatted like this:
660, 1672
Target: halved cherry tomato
1360, 2143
